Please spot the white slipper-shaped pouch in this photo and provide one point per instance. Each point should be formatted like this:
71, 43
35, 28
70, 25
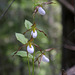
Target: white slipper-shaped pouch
30, 49
44, 58
34, 34
41, 11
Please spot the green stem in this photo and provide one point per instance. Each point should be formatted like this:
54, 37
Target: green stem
34, 8
28, 66
34, 50
33, 64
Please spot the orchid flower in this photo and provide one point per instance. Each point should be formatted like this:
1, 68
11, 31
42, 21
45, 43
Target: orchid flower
44, 58
30, 49
34, 33
41, 11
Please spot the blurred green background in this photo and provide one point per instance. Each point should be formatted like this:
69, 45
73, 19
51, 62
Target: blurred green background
13, 22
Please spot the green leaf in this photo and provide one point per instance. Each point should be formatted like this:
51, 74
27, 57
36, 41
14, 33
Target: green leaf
23, 54
20, 37
28, 24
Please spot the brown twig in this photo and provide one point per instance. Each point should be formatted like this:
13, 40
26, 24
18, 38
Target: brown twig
37, 58
67, 5
35, 10
37, 47
26, 31
6, 9
31, 39
50, 49
19, 49
69, 47
40, 61
42, 32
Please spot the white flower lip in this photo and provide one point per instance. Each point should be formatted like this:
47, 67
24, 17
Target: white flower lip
34, 34
44, 58
30, 49
41, 11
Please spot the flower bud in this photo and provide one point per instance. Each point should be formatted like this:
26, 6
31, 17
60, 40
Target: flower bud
34, 34
30, 49
41, 11
44, 58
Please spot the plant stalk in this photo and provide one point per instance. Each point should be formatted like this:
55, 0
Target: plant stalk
28, 66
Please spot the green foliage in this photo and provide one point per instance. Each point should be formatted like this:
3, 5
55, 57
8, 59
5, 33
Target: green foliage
20, 37
28, 24
23, 54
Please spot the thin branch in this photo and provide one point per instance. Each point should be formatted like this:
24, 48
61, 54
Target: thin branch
50, 49
40, 61
37, 47
42, 32
67, 5
69, 47
19, 49
6, 9
37, 58
26, 31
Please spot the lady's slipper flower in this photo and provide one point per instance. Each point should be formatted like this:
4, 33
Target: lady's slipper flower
44, 58
30, 49
34, 34
41, 11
